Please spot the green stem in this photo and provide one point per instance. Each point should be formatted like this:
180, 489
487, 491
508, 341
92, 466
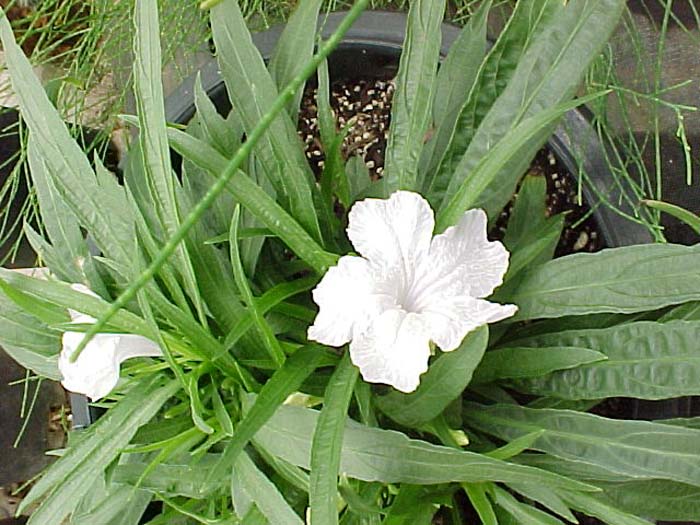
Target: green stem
220, 184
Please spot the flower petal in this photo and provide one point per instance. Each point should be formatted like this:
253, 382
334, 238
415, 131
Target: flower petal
394, 350
79, 317
450, 319
346, 299
96, 371
462, 261
393, 231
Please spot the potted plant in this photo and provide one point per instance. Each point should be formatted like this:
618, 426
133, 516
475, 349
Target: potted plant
237, 399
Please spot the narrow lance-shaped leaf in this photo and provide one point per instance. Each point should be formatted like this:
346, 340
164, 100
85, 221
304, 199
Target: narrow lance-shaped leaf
295, 47
523, 513
412, 103
221, 133
28, 341
255, 199
484, 85
252, 92
618, 280
66, 164
513, 148
328, 443
373, 454
153, 139
516, 362
270, 342
547, 75
646, 360
596, 508
636, 449
68, 245
249, 486
78, 468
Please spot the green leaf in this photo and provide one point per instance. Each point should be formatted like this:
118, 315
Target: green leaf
593, 507
28, 341
530, 133
68, 246
524, 514
524, 361
411, 505
270, 342
515, 447
45, 311
646, 360
184, 475
283, 382
82, 464
547, 75
683, 215
485, 84
221, 412
412, 104
107, 220
249, 486
255, 199
638, 449
326, 119
481, 503
269, 300
120, 505
358, 177
657, 499
529, 211
685, 312
328, 443
220, 133
252, 93
455, 79
61, 294
618, 280
546, 497
444, 381
294, 48
153, 140
373, 454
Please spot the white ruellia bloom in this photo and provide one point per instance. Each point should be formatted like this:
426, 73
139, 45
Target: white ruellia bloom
408, 288
96, 371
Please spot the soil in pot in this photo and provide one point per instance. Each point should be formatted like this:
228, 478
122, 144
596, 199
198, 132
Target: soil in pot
368, 102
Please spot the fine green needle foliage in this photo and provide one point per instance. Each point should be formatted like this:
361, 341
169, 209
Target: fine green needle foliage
241, 416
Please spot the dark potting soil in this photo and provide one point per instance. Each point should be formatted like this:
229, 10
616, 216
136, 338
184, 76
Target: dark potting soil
368, 102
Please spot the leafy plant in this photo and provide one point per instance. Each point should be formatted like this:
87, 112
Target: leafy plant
225, 428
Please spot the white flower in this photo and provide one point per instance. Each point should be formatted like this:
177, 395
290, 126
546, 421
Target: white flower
96, 371
408, 288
